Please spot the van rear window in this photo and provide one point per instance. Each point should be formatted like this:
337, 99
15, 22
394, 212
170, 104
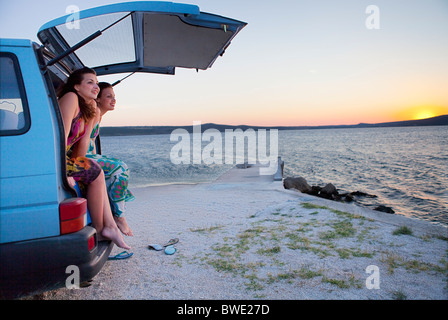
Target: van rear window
13, 102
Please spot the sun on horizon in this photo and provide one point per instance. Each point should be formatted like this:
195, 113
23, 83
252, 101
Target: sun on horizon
420, 112
424, 114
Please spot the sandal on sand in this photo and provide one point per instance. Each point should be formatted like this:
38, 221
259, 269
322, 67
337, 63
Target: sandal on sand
121, 256
156, 247
171, 242
170, 250
168, 245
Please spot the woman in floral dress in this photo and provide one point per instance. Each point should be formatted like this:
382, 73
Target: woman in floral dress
79, 113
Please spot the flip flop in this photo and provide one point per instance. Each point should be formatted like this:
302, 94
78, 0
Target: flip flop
156, 247
121, 256
171, 242
170, 250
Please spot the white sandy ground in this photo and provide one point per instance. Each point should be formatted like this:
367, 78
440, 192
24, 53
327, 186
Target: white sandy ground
245, 237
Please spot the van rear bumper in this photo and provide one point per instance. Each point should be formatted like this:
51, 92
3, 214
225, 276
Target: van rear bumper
34, 266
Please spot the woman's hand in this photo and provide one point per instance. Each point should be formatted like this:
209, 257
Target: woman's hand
71, 181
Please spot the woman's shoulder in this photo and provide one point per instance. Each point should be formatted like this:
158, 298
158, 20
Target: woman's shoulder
71, 96
70, 101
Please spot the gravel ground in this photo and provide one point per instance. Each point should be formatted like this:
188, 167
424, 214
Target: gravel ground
244, 237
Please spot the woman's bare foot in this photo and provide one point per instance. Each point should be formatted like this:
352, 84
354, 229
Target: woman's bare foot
123, 226
115, 236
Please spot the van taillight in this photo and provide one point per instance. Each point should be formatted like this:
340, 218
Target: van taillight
91, 243
73, 215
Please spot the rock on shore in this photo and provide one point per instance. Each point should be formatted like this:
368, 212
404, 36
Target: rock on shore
329, 191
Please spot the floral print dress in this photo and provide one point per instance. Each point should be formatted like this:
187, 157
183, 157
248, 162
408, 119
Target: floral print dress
116, 173
82, 169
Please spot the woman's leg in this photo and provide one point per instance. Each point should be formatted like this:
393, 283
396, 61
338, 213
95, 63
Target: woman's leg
117, 176
116, 173
102, 219
123, 225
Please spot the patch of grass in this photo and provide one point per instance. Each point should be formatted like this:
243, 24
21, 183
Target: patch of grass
306, 273
295, 238
308, 205
343, 214
399, 295
344, 253
339, 213
394, 261
337, 282
207, 230
282, 276
391, 260
403, 230
225, 265
251, 233
362, 254
298, 242
254, 283
341, 229
269, 251
343, 284
444, 268
225, 250
260, 252
416, 265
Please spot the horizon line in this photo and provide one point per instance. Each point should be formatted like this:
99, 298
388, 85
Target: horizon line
282, 126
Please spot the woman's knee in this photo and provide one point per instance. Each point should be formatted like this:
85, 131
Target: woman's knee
100, 178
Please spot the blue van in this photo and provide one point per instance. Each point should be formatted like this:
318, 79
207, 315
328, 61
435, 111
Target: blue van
44, 224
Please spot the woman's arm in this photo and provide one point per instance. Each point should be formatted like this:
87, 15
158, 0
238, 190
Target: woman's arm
68, 105
82, 147
94, 147
97, 121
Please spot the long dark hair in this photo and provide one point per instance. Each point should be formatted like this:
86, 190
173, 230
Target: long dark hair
103, 85
87, 111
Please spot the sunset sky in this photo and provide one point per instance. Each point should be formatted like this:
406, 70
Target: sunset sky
297, 62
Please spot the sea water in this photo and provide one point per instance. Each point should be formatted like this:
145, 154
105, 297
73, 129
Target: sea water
404, 167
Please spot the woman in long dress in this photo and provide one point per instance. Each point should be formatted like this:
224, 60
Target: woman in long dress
116, 172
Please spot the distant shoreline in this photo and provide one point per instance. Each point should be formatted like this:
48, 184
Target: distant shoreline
153, 130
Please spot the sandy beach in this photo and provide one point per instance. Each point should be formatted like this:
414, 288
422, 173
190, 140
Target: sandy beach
245, 237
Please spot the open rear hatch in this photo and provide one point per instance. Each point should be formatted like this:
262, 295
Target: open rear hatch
142, 36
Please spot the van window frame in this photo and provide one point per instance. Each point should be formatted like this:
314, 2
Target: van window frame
21, 87
42, 57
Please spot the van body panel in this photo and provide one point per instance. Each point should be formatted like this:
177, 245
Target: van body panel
143, 36
28, 171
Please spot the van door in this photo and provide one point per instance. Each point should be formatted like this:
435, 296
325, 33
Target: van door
29, 169
142, 36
